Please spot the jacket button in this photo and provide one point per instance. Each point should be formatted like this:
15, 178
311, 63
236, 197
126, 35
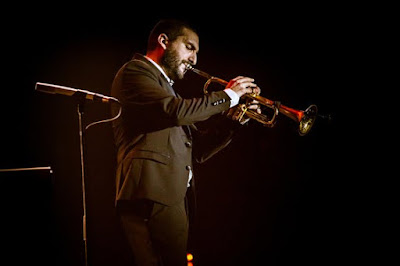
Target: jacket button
188, 167
188, 144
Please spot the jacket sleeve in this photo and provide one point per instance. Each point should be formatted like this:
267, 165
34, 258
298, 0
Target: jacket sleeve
211, 138
152, 107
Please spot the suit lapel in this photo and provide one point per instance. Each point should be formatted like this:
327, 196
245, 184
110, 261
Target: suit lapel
166, 85
171, 89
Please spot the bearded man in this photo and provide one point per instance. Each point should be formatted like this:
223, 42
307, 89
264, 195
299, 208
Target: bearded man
157, 140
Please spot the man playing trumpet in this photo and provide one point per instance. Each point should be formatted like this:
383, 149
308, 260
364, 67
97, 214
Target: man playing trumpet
157, 141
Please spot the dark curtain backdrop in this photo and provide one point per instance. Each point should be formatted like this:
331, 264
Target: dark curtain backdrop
270, 198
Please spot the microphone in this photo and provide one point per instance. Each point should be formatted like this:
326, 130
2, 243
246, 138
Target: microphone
68, 91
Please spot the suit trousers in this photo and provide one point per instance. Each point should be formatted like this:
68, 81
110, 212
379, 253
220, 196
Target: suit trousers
157, 233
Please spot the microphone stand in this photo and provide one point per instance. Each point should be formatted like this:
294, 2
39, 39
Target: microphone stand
81, 96
80, 109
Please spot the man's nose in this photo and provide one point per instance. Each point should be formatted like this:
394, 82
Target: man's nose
193, 59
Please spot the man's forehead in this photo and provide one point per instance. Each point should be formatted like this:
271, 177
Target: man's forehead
191, 37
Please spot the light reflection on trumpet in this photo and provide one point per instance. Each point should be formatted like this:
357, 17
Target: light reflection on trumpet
305, 118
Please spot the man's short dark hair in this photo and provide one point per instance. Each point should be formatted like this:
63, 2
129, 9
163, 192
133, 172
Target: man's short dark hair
171, 27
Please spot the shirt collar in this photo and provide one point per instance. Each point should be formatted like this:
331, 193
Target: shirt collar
170, 81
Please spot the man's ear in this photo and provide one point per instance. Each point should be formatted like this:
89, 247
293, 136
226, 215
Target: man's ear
163, 40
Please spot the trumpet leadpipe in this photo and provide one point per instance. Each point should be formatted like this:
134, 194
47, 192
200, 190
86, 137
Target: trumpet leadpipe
205, 75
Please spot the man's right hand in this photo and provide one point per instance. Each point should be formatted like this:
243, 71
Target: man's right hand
243, 85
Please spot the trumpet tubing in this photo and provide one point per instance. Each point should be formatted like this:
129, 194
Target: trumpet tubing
305, 118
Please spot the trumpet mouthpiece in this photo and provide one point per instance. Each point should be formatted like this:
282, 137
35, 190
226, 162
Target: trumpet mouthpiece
188, 65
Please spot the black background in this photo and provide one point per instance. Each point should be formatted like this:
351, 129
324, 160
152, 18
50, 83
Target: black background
271, 196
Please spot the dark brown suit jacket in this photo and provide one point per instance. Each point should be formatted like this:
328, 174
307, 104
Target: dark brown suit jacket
155, 136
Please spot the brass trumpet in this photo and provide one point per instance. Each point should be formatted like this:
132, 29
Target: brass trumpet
305, 118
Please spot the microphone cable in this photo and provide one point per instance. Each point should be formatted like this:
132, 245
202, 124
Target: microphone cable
108, 119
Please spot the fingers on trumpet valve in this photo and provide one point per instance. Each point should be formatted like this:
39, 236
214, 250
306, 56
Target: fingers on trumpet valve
243, 85
256, 90
254, 105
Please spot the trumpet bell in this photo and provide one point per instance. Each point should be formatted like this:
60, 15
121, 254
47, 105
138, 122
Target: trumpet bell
308, 119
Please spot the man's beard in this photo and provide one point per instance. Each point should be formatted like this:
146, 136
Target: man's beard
171, 62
